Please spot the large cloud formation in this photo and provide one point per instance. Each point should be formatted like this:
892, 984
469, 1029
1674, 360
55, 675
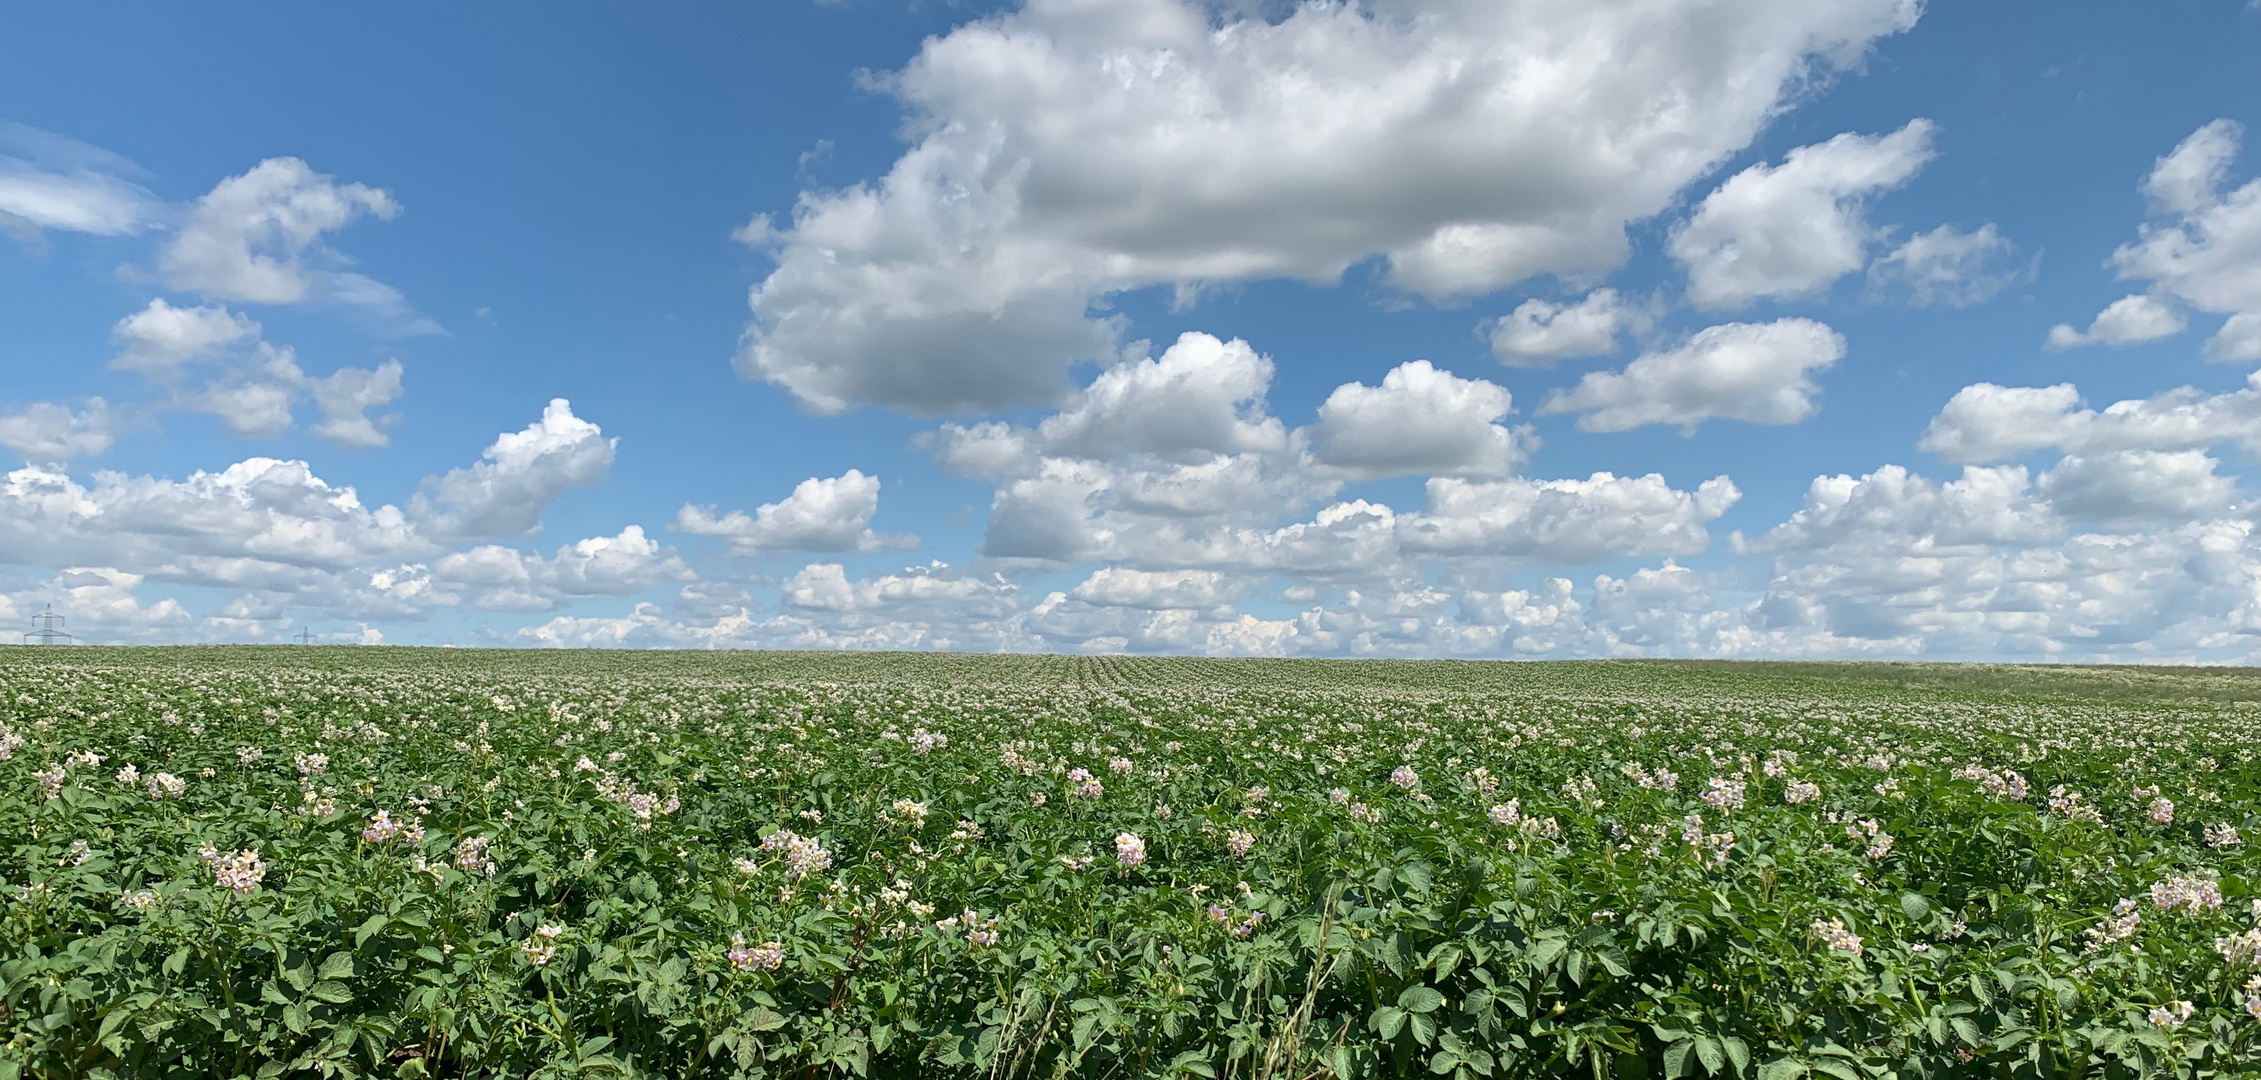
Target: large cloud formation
1078, 148
2202, 249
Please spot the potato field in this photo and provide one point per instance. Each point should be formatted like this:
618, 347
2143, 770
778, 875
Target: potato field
421, 863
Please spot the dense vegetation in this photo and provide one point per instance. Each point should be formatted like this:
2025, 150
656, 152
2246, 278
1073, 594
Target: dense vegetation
407, 863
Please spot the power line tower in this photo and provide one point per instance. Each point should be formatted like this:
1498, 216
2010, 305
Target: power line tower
305, 636
47, 629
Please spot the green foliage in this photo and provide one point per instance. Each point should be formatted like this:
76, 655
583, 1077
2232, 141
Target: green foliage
799, 866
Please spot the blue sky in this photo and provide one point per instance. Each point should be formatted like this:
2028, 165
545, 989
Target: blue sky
959, 249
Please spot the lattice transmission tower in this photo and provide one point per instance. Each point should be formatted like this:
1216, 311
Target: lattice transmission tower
47, 629
305, 636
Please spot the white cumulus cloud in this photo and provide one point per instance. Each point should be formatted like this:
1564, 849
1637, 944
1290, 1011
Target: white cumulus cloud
519, 476
512, 580
1420, 420
2125, 321
1070, 150
822, 514
1116, 586
160, 339
1984, 422
1202, 396
1567, 521
1948, 267
1791, 230
1539, 332
46, 432
1761, 373
258, 238
2203, 248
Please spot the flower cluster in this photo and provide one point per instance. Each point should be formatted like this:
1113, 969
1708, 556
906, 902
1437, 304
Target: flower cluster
2066, 802
1725, 794
2173, 1014
1801, 791
471, 856
1130, 851
2191, 894
1086, 786
767, 956
2240, 950
2223, 836
1832, 933
165, 785
382, 829
1868, 832
1240, 929
803, 854
1712, 849
541, 947
315, 802
980, 932
2120, 925
2005, 785
1240, 842
240, 873
909, 812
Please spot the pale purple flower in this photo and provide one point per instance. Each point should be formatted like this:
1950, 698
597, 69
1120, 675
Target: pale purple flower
381, 829
541, 948
2173, 1014
2193, 894
767, 956
240, 872
1832, 932
471, 856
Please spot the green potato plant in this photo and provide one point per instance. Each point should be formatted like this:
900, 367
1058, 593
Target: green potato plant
265, 863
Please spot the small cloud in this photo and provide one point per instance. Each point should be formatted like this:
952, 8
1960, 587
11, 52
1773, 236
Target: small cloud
2125, 321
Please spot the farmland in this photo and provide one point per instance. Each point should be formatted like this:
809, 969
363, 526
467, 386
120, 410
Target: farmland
268, 862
